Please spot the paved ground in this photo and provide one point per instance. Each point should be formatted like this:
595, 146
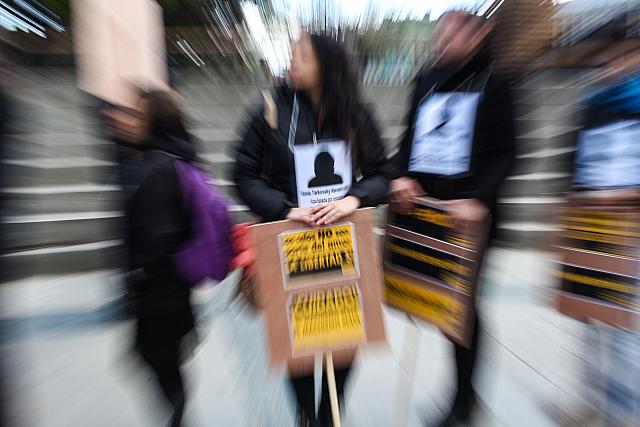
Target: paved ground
67, 352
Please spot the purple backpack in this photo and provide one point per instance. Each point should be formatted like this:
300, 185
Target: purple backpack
208, 254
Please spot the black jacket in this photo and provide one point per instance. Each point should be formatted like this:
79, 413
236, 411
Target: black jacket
157, 224
493, 146
264, 171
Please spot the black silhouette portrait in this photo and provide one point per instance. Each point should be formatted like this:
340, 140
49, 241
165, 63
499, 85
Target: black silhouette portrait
446, 115
324, 170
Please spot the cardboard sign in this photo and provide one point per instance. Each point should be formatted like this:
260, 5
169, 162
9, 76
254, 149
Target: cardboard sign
609, 156
315, 295
326, 318
119, 44
443, 134
599, 267
321, 253
323, 172
431, 267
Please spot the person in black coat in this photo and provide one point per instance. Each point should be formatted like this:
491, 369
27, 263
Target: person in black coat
461, 114
323, 105
157, 225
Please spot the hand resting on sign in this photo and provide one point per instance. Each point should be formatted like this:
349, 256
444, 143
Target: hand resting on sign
301, 215
329, 213
404, 189
467, 210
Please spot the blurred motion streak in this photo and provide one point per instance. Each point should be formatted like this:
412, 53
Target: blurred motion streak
557, 291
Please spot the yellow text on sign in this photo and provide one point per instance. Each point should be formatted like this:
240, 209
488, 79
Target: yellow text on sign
441, 310
440, 218
319, 250
327, 318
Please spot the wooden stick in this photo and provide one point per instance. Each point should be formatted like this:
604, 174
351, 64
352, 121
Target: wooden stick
333, 394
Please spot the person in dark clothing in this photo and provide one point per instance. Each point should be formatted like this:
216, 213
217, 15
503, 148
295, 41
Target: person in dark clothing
323, 104
157, 225
120, 127
483, 112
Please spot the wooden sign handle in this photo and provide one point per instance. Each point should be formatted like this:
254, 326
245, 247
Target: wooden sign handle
333, 394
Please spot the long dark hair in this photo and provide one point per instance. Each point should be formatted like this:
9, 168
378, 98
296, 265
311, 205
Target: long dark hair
164, 114
166, 122
341, 107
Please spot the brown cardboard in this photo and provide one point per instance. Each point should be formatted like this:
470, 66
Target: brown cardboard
421, 245
119, 44
278, 296
600, 263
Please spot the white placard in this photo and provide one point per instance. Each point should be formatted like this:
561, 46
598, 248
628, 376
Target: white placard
323, 172
609, 156
443, 133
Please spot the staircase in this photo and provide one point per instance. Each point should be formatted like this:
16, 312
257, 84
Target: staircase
547, 115
62, 213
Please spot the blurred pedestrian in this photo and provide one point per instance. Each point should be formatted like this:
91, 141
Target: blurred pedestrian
120, 128
157, 225
479, 144
323, 104
607, 172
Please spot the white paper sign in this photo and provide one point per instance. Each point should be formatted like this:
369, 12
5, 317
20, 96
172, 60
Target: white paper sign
323, 172
443, 134
609, 156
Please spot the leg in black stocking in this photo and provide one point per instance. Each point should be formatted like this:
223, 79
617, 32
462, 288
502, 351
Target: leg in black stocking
465, 366
303, 387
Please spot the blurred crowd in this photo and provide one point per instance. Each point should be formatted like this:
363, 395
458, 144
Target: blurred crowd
182, 227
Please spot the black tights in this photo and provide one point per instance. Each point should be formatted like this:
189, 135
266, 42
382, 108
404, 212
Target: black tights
167, 370
161, 342
465, 366
304, 388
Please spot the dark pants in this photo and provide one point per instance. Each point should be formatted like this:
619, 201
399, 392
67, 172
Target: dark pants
166, 368
304, 388
465, 366
161, 341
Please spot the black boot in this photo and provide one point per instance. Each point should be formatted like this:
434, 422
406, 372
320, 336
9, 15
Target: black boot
460, 413
302, 420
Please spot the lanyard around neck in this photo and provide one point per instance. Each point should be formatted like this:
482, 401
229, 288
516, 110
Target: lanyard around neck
293, 125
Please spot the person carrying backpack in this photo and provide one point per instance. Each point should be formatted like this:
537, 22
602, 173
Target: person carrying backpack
178, 234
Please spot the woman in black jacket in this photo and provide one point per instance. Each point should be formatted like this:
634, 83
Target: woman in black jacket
157, 225
323, 105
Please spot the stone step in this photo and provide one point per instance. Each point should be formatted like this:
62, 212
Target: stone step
224, 95
528, 209
60, 199
384, 95
556, 78
528, 128
533, 129
19, 147
84, 257
546, 96
552, 113
214, 114
390, 112
521, 235
534, 141
57, 171
546, 166
29, 231
535, 184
